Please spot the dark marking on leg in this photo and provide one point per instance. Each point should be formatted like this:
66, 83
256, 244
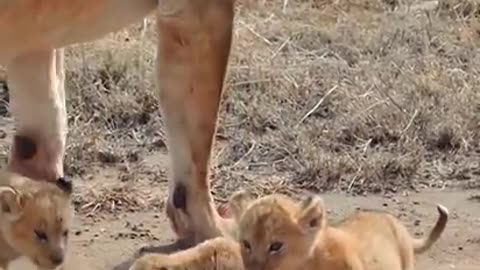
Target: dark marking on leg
25, 147
65, 184
180, 197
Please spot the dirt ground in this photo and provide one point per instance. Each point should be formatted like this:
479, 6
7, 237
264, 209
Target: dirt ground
111, 241
373, 103
99, 247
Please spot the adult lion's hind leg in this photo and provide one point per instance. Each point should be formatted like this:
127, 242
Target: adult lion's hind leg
36, 82
193, 51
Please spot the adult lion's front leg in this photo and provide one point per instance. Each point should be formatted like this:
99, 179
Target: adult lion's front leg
37, 99
193, 51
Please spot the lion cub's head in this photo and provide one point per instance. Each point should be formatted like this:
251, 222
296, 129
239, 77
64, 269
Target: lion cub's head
35, 217
276, 232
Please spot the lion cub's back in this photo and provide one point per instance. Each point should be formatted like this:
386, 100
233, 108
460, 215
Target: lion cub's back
377, 237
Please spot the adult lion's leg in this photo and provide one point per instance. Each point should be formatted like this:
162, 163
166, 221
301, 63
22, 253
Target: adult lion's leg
193, 51
37, 102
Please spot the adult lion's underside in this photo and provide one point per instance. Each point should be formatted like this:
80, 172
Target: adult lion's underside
193, 51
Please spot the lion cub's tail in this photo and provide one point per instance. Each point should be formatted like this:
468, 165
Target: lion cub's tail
423, 244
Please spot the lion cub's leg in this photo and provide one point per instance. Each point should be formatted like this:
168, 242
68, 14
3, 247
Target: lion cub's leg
36, 80
220, 253
193, 51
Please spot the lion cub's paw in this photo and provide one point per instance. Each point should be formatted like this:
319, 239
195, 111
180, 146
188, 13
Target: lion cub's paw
219, 253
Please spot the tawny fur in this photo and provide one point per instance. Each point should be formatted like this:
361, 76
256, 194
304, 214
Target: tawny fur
220, 253
279, 233
35, 217
193, 52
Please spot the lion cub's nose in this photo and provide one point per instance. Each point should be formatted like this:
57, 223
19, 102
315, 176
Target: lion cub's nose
57, 259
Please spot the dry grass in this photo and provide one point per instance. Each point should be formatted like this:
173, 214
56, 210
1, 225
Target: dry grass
114, 200
361, 96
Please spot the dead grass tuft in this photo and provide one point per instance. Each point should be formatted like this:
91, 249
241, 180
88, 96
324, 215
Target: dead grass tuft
469, 9
110, 200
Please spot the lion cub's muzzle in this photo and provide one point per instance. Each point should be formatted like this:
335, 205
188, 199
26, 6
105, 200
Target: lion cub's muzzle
57, 259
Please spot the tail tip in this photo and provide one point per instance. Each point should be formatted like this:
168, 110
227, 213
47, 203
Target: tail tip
442, 210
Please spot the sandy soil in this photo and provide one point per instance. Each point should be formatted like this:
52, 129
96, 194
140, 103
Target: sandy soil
106, 241
98, 246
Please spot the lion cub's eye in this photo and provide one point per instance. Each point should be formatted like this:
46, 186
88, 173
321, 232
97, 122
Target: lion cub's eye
275, 247
246, 245
41, 236
65, 233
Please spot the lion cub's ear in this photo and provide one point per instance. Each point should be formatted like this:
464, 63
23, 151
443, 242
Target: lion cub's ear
239, 202
312, 216
11, 201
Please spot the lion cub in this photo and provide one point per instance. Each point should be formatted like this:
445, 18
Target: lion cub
279, 233
220, 253
35, 217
